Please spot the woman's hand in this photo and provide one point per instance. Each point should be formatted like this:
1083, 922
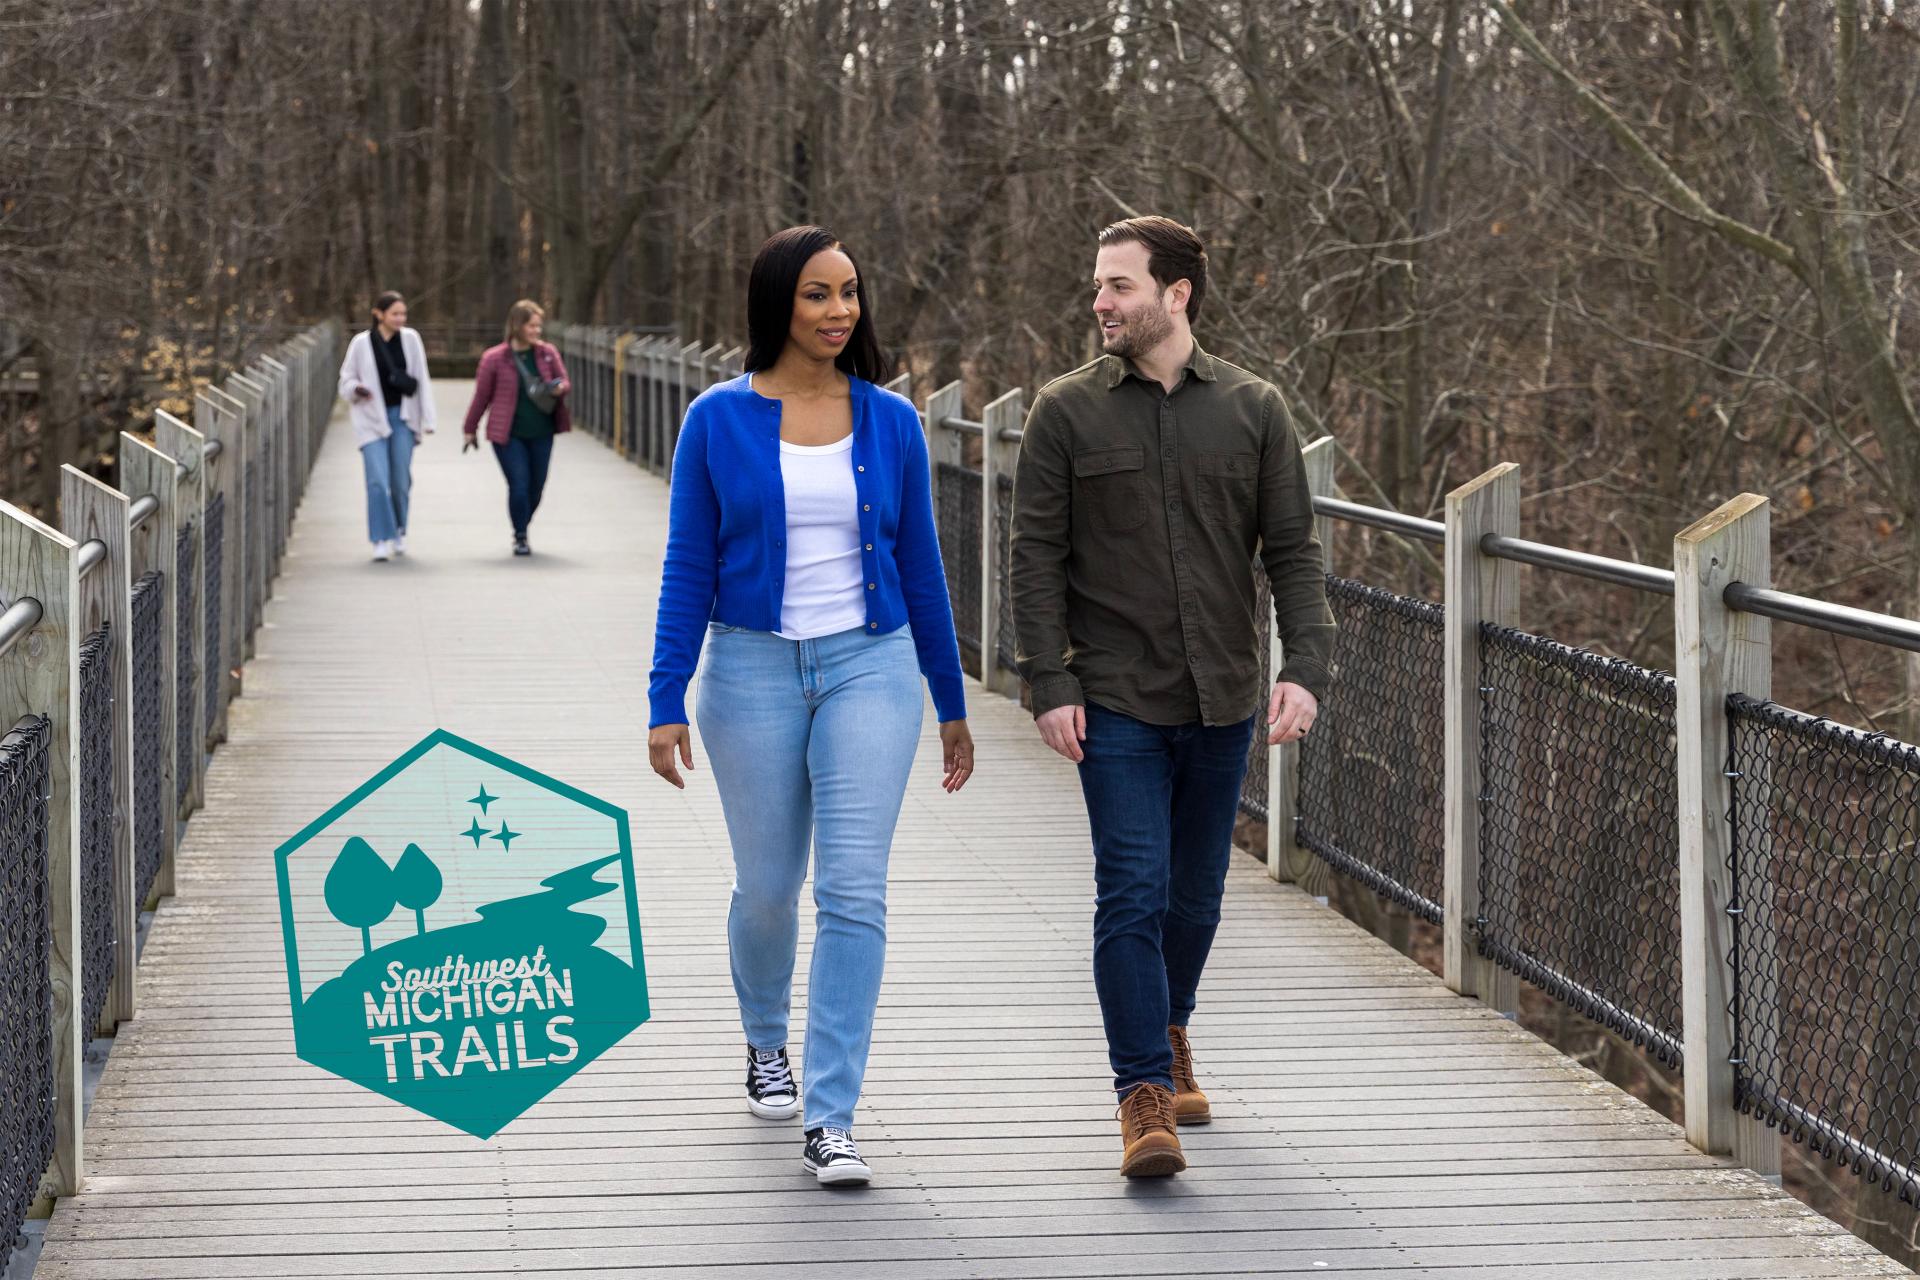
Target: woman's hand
661, 742
956, 742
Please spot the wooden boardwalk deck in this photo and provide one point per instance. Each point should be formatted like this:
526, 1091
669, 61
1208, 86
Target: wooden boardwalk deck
1369, 1122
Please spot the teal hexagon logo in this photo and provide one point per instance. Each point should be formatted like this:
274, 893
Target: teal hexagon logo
462, 933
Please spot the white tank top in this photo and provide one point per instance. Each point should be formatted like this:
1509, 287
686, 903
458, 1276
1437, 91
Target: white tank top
826, 592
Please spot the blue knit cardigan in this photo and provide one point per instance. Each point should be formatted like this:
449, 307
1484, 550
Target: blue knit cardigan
727, 527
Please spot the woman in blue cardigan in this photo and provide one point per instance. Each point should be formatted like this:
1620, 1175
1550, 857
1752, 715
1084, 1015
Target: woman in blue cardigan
801, 549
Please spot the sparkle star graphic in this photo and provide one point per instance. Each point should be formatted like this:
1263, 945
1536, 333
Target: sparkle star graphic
483, 799
505, 837
476, 831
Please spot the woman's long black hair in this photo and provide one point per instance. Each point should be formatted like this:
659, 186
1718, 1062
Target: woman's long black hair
770, 289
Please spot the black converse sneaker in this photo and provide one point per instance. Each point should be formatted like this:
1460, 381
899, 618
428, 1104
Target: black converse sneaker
831, 1157
771, 1093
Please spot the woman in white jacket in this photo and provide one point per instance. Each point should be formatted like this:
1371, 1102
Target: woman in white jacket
390, 399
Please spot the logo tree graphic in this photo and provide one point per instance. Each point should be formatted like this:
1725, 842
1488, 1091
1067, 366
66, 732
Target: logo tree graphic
361, 890
416, 884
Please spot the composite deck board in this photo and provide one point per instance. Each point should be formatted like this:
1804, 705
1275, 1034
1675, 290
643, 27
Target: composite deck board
1369, 1123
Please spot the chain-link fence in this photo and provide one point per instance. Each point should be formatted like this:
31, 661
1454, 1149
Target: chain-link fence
214, 523
1372, 770
149, 808
1579, 879
1826, 938
1003, 531
956, 510
184, 658
98, 876
26, 982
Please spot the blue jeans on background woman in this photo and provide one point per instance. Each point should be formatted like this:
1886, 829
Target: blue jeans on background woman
389, 468
524, 463
811, 743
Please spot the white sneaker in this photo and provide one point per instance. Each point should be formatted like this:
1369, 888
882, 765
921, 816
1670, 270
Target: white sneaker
400, 545
383, 549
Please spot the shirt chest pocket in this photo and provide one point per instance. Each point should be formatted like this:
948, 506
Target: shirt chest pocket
1111, 484
1223, 487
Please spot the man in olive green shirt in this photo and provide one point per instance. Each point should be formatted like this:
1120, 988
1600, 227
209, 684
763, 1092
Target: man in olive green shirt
1148, 482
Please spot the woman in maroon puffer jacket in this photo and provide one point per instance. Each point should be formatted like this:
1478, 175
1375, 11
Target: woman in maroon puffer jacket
507, 388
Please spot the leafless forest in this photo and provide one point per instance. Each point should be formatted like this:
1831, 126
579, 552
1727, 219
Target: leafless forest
1656, 253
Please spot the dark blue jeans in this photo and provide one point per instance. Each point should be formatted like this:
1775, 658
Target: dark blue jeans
524, 463
1161, 800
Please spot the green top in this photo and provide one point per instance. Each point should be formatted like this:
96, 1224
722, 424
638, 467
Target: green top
530, 422
1137, 515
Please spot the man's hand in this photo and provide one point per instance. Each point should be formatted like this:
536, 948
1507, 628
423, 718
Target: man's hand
661, 745
1290, 713
1064, 729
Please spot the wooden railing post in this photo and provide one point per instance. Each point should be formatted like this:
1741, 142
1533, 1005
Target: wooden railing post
37, 678
145, 470
1480, 588
225, 477
1717, 651
89, 510
998, 458
188, 447
1287, 862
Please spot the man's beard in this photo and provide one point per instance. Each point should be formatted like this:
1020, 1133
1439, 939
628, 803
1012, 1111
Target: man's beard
1138, 334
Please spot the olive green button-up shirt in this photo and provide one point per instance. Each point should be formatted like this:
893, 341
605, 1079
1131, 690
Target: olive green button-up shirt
1137, 517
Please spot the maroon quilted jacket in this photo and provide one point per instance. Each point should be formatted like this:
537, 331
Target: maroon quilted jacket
496, 389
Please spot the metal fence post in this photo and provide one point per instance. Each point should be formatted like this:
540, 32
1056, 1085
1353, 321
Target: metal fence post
90, 510
1717, 651
1480, 588
1287, 862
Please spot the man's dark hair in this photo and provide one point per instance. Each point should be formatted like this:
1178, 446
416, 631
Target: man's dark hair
1173, 253
770, 287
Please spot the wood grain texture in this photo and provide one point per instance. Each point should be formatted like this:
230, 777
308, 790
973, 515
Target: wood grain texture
188, 447
1287, 862
146, 471
37, 677
90, 509
1479, 589
1365, 1117
1717, 651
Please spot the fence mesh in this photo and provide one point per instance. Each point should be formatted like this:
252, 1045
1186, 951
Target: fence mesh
956, 503
145, 658
98, 876
183, 707
250, 541
26, 980
214, 522
1579, 882
1372, 770
1826, 938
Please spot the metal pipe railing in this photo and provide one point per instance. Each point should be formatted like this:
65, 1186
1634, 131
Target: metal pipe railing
1836, 619
1380, 518
1621, 573
21, 617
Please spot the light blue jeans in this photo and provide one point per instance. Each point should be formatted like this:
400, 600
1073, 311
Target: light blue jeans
811, 743
389, 467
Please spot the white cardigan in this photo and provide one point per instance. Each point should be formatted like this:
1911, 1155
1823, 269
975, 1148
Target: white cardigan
370, 415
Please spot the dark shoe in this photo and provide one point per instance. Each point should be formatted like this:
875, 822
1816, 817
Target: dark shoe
1190, 1106
771, 1093
520, 547
1150, 1147
831, 1157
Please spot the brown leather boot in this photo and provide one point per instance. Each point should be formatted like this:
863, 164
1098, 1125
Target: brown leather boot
1190, 1106
1152, 1148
